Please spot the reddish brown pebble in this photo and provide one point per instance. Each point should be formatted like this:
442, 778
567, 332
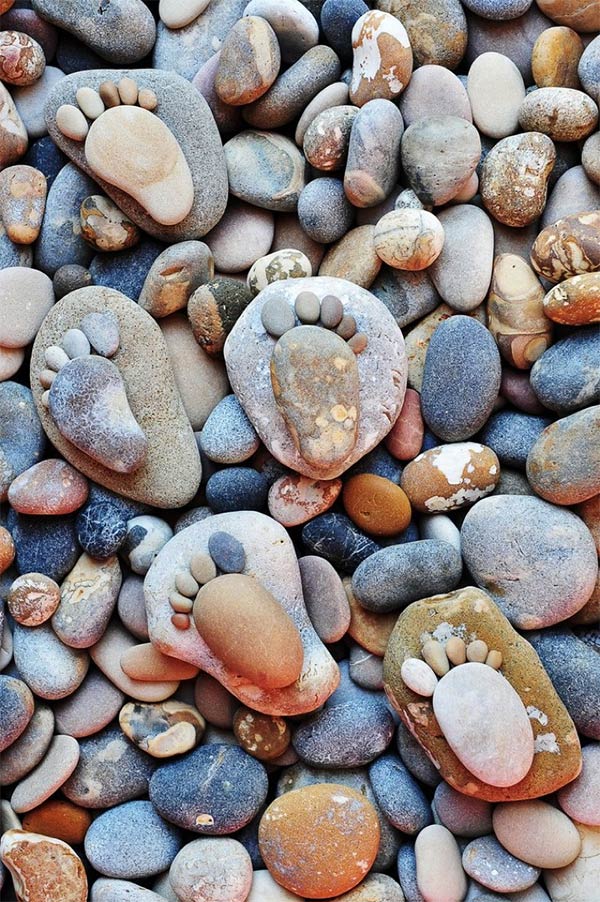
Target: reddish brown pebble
347, 327
296, 499
33, 598
405, 439
51, 487
358, 342
60, 819
109, 93
145, 662
263, 736
371, 631
180, 621
7, 549
376, 504
319, 841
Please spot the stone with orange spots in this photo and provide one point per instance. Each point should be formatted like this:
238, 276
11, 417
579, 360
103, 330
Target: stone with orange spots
43, 868
319, 841
296, 499
50, 487
263, 736
7, 549
60, 819
470, 614
383, 59
370, 630
377, 505
451, 476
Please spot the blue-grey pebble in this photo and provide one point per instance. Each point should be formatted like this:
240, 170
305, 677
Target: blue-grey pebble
16, 709
350, 734
461, 378
336, 538
60, 240
406, 864
131, 841
215, 790
567, 375
512, 482
498, 9
365, 668
228, 436
373, 153
409, 296
12, 254
462, 815
101, 529
415, 758
237, 489
486, 861
589, 69
338, 18
379, 462
227, 552
110, 771
127, 270
348, 691
22, 439
401, 798
410, 534
512, 435
399, 574
127, 506
50, 668
574, 668
44, 544
194, 515
44, 155
324, 211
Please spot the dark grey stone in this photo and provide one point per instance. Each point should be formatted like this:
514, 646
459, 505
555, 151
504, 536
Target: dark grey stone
567, 375
401, 798
324, 211
60, 240
512, 435
349, 734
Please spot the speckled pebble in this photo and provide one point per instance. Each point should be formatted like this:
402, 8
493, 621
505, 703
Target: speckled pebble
236, 488
228, 436
490, 864
345, 734
49, 667
565, 378
16, 706
227, 552
511, 435
401, 798
462, 815
101, 529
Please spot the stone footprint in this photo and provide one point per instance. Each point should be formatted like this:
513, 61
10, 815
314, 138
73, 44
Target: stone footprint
314, 374
86, 395
130, 147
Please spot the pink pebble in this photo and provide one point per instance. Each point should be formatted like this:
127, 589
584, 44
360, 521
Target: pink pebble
406, 437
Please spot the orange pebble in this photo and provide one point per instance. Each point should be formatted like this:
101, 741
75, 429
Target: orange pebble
60, 819
7, 549
376, 504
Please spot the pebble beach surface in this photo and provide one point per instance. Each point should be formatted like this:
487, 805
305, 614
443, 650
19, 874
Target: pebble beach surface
299, 450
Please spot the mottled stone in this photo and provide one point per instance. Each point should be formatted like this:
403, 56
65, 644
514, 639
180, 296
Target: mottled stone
249, 61
370, 173
569, 247
295, 499
206, 868
13, 134
293, 22
41, 865
17, 706
555, 57
563, 465
162, 731
439, 154
576, 301
437, 30
487, 862
22, 202
281, 265
409, 239
513, 180
383, 59
266, 169
564, 114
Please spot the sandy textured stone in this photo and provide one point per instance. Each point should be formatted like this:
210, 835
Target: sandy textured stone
26, 296
516, 314
569, 247
43, 867
463, 270
579, 880
170, 474
269, 558
564, 464
514, 176
381, 364
471, 613
185, 113
449, 477
555, 57
249, 61
434, 91
13, 134
353, 258
437, 29
563, 114
383, 59
88, 596
577, 15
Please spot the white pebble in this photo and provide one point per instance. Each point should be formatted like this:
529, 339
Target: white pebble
90, 102
71, 122
419, 676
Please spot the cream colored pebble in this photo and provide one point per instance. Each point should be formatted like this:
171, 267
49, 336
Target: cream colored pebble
494, 659
55, 357
109, 93
456, 650
419, 676
180, 603
90, 102
47, 377
128, 91
203, 567
477, 651
433, 652
147, 99
46, 399
186, 584
71, 122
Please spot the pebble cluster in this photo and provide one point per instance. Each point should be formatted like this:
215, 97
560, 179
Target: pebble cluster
299, 450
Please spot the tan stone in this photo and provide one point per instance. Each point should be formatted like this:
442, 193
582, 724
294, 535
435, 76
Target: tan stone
569, 247
145, 662
353, 257
13, 134
371, 631
43, 867
383, 59
409, 239
470, 613
555, 57
514, 176
537, 833
248, 63
22, 202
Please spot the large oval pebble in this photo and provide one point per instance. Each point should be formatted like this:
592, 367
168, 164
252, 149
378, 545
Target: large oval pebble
537, 833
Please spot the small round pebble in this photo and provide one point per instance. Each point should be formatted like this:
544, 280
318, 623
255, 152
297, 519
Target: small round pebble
227, 552
212, 870
419, 676
101, 529
227, 436
236, 488
486, 861
263, 736
33, 598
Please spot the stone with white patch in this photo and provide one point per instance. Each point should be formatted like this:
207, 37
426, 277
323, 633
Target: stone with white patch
451, 476
383, 59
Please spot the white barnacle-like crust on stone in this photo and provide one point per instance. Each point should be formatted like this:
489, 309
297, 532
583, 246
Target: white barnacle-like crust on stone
365, 34
437, 503
546, 742
452, 459
535, 714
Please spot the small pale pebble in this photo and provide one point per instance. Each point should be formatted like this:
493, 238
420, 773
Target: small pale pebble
456, 650
75, 343
180, 603
537, 833
477, 651
433, 652
186, 584
128, 91
203, 568
56, 767
90, 102
440, 874
147, 99
179, 13
277, 317
494, 659
71, 122
419, 676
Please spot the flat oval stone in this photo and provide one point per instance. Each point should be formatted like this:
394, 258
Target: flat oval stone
216, 789
487, 862
146, 663
536, 560
33, 598
60, 819
563, 114
42, 865
514, 175
562, 466
555, 57
439, 154
178, 13
324, 597
459, 389
236, 604
383, 60
88, 596
462, 815
265, 169
581, 798
376, 504
400, 796
17, 707
50, 668
472, 695
569, 247
107, 654
353, 258
564, 377
307, 827
345, 734
241, 237
110, 771
131, 840
433, 91
58, 764
248, 63
90, 708
205, 869
324, 211
338, 540
439, 872
462, 278
494, 75
22, 202
373, 150
27, 751
295, 499
49, 487
20, 319
537, 833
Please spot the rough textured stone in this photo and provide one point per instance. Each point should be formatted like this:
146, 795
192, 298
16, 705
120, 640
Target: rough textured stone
564, 464
439, 154
514, 176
